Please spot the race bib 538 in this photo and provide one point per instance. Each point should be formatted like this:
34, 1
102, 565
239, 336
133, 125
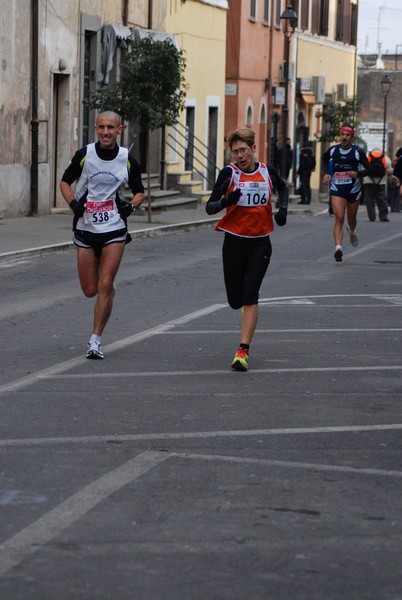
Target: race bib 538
100, 211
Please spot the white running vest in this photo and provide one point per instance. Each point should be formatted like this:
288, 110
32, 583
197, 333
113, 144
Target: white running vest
103, 180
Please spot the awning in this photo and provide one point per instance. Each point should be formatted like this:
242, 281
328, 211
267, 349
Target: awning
308, 98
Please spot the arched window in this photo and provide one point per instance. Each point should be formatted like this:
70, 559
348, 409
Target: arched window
263, 114
249, 116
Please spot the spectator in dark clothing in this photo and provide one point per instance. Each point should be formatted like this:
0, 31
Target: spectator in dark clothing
306, 166
288, 160
397, 174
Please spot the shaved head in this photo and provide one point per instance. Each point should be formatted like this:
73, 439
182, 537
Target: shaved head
109, 114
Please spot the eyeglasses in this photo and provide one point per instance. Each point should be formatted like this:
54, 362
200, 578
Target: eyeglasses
240, 151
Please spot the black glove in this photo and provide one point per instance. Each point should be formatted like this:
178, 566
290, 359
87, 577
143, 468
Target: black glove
225, 185
231, 198
280, 216
126, 208
77, 207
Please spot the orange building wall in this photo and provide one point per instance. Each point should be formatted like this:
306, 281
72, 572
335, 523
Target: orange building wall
249, 61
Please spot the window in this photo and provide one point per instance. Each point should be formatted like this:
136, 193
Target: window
319, 21
346, 21
339, 20
324, 17
266, 12
253, 9
353, 25
249, 117
304, 14
278, 12
263, 115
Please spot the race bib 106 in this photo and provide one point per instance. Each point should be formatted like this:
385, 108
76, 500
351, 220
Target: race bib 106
253, 193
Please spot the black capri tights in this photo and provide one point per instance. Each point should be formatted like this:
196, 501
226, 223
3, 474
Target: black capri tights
245, 262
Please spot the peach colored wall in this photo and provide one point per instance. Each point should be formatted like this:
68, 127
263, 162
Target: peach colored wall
248, 64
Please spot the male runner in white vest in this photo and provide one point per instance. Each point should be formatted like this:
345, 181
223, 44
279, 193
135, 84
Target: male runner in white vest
93, 186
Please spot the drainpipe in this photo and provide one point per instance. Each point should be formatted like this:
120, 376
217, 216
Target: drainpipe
34, 103
270, 158
150, 10
125, 12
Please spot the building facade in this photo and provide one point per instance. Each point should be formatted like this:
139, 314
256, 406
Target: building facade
47, 73
196, 144
379, 117
326, 59
235, 52
254, 57
321, 68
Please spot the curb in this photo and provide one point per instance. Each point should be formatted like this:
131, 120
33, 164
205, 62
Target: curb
8, 257
147, 232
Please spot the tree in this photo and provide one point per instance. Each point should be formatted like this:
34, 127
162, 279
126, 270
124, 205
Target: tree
151, 89
335, 115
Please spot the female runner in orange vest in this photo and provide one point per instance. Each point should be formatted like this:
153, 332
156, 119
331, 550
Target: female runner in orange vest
244, 189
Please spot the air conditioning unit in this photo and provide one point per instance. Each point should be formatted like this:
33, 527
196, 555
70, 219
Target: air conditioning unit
342, 91
304, 84
282, 72
319, 89
330, 97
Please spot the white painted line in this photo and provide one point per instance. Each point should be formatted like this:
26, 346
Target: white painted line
380, 242
32, 538
394, 299
328, 305
138, 437
70, 364
318, 296
131, 374
120, 344
353, 330
289, 464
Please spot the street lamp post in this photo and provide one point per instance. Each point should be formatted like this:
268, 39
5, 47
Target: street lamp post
385, 88
289, 20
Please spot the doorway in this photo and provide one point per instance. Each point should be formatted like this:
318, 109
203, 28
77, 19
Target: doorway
212, 145
60, 136
190, 130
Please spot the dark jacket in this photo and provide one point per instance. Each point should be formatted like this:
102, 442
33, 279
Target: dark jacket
306, 161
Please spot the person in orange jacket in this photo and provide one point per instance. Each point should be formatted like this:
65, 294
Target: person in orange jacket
375, 185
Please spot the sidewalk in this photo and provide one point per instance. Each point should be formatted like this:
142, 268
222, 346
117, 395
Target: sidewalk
29, 236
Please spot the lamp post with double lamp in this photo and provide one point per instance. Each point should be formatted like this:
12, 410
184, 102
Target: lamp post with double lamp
385, 88
289, 21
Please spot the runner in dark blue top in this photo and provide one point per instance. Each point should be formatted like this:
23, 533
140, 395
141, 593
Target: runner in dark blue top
348, 165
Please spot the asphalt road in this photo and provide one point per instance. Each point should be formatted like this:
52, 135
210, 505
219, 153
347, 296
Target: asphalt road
160, 474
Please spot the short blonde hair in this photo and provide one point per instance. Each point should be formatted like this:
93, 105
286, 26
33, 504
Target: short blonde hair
243, 134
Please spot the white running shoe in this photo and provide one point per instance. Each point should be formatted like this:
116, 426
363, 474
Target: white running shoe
94, 350
354, 240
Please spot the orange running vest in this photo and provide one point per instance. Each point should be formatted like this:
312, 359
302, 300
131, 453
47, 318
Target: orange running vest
252, 215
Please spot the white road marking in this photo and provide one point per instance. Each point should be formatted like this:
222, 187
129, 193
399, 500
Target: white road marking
289, 464
31, 538
70, 364
353, 330
393, 298
321, 296
131, 374
138, 437
366, 247
120, 344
